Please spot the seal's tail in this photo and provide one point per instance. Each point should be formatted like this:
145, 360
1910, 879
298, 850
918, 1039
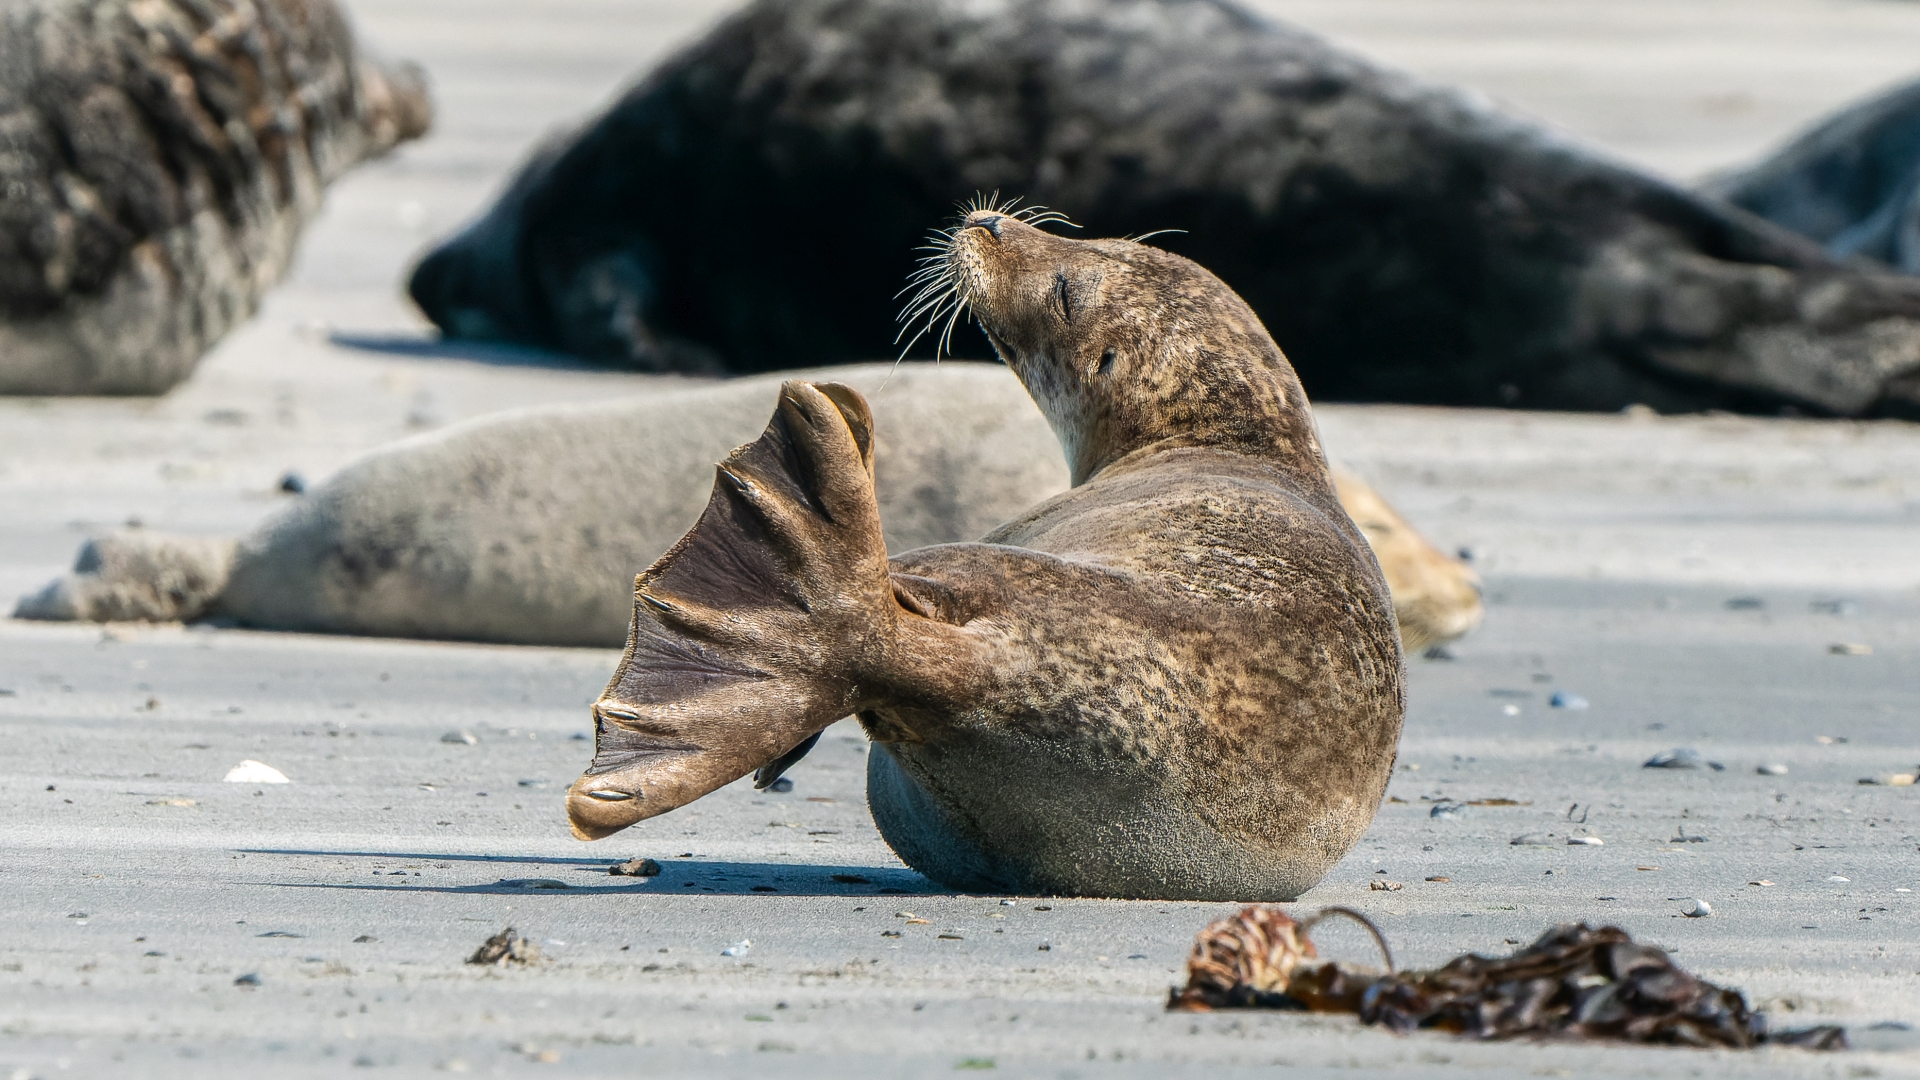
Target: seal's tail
748, 635
137, 576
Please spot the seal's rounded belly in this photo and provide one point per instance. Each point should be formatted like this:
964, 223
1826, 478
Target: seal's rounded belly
1179, 679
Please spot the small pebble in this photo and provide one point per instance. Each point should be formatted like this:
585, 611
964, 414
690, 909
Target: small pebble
1838, 880
1745, 603
1440, 878
463, 738
635, 867
1850, 648
1510, 710
1889, 780
292, 483
1697, 909
1774, 769
255, 772
1681, 757
1584, 841
1536, 839
1383, 885
738, 948
249, 979
1448, 811
1563, 700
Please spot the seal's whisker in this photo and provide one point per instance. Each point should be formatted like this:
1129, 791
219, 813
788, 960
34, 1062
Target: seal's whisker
1145, 235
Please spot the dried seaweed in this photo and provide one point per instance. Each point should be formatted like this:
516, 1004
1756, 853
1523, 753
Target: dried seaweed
1575, 983
504, 948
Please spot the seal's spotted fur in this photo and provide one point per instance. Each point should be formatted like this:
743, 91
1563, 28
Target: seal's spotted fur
1179, 679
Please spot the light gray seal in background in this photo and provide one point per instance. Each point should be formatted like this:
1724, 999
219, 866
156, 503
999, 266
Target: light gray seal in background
526, 527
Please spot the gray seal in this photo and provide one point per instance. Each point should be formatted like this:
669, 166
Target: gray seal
1402, 241
160, 160
1181, 678
526, 527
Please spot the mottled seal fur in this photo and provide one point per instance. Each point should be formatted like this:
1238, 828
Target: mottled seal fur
1402, 241
1181, 678
158, 160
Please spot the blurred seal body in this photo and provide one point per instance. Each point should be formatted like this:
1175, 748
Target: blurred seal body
160, 160
1179, 679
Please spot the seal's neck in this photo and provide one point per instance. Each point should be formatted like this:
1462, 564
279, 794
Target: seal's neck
1251, 405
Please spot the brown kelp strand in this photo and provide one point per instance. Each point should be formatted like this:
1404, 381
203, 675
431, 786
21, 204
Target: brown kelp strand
1576, 982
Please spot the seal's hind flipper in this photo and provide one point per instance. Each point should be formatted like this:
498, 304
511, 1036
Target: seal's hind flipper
748, 633
765, 775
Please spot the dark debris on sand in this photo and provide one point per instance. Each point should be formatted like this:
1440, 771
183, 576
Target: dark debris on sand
504, 948
1575, 983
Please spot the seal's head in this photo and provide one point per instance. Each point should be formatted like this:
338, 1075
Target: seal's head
1124, 346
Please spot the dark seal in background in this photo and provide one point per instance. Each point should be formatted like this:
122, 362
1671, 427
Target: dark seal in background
755, 202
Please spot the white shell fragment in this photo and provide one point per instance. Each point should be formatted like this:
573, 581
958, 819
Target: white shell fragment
738, 948
254, 772
1584, 841
1775, 769
1697, 909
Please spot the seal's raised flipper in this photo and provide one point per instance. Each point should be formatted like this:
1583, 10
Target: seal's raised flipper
749, 635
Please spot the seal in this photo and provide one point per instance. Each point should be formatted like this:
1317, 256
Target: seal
1401, 241
502, 529
1179, 679
161, 160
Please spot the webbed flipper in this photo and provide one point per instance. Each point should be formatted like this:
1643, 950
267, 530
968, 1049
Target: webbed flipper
749, 635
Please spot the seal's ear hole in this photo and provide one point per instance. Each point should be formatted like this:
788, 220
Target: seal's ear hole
1106, 362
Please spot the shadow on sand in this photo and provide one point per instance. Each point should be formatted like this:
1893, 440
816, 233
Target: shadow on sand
585, 877
434, 347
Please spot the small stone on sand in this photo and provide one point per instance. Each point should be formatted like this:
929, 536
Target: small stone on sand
464, 738
1889, 780
1696, 909
635, 867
